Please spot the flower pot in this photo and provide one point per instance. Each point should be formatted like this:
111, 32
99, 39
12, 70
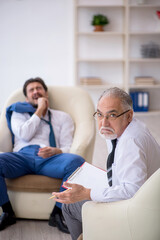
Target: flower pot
98, 28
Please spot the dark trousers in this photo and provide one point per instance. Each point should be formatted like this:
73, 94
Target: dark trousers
26, 161
73, 217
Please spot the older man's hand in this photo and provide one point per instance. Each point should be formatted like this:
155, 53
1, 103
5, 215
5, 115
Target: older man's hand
76, 193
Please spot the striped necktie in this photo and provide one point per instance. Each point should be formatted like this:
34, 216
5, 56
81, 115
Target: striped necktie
52, 140
110, 161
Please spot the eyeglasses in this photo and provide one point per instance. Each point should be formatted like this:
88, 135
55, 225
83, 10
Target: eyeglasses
110, 116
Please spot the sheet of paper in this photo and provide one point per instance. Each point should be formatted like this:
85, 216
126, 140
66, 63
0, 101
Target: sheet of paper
89, 176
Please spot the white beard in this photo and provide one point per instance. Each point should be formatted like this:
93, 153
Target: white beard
109, 136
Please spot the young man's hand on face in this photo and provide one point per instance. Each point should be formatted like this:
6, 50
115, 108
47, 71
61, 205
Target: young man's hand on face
42, 106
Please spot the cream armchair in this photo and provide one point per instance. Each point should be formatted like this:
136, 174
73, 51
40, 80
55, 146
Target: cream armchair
135, 219
29, 194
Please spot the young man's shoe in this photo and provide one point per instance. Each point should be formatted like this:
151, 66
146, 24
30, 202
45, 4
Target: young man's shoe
58, 221
6, 220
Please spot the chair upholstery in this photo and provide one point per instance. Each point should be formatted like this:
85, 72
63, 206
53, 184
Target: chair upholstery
29, 194
137, 218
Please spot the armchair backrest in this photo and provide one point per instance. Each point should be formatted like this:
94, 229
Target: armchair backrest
144, 210
72, 100
149, 193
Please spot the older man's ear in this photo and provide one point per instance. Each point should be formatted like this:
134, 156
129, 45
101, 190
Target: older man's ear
130, 115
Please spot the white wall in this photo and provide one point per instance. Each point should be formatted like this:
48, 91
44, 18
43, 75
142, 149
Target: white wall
36, 39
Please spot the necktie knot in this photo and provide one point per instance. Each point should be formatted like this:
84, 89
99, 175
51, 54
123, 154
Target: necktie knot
114, 142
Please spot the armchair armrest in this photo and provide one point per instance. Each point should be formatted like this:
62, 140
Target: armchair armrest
105, 219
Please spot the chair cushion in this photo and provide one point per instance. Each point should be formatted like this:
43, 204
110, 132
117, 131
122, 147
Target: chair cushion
34, 183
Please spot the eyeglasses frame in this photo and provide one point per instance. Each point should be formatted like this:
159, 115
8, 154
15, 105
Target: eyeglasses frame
116, 116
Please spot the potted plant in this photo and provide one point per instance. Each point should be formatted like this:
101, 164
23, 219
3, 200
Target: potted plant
99, 21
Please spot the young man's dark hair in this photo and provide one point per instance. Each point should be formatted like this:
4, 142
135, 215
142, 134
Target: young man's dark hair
31, 80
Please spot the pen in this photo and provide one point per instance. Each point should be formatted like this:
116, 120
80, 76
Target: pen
55, 196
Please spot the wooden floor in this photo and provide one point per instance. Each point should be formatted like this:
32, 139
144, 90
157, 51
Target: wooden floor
32, 230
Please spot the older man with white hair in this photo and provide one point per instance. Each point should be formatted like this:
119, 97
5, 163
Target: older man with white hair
134, 157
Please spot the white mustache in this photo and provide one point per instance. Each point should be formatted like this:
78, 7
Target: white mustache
112, 135
106, 128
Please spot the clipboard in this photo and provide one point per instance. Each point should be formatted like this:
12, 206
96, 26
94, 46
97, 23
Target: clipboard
89, 176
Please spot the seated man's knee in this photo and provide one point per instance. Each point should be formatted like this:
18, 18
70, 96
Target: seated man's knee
80, 159
76, 159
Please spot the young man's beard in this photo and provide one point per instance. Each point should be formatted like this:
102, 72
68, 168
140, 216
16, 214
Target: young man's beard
34, 105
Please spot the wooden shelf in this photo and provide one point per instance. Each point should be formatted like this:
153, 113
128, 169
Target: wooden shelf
99, 6
144, 6
105, 33
100, 60
145, 33
145, 60
149, 113
102, 86
134, 86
